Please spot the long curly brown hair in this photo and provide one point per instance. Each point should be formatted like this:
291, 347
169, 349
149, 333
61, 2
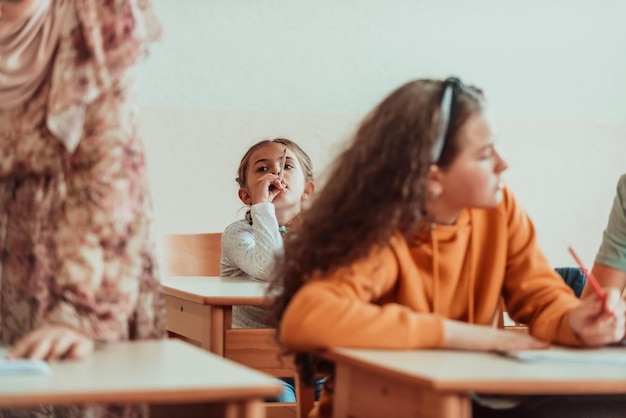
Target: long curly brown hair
375, 187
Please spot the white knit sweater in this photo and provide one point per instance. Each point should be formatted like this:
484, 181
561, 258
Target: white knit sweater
248, 252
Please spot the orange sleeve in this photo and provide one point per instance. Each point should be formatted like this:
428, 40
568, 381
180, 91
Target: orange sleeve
534, 293
344, 309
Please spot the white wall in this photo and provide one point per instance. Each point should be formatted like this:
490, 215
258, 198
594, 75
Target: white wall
231, 72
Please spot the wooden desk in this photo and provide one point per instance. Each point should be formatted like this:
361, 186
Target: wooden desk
200, 308
168, 374
437, 383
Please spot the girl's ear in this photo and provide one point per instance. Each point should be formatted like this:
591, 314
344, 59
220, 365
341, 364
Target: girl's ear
309, 187
435, 185
244, 196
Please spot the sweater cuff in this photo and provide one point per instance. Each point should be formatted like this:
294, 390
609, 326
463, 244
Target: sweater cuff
427, 331
566, 335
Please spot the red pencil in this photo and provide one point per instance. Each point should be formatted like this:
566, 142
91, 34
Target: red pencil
590, 277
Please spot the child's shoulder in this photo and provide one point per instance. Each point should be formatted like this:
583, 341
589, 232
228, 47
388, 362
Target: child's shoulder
236, 227
621, 186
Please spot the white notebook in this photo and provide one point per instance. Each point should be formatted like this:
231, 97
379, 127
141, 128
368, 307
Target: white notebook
603, 355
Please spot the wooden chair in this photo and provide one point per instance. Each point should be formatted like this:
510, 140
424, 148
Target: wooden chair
503, 321
192, 254
573, 277
199, 255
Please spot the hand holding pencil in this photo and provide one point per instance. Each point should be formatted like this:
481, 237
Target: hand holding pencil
600, 318
595, 285
282, 165
267, 184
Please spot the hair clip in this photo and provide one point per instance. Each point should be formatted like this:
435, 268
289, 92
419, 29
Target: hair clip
451, 88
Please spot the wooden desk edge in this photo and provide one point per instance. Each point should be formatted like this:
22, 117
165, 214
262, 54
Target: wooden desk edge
217, 300
146, 396
539, 387
335, 356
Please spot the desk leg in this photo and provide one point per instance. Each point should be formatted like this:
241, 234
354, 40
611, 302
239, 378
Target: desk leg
366, 394
216, 330
250, 409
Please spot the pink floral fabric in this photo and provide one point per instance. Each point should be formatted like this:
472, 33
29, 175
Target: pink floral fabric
76, 242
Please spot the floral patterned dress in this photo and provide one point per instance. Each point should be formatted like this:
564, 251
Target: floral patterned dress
76, 242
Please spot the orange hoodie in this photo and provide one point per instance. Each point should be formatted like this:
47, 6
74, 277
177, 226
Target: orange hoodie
399, 295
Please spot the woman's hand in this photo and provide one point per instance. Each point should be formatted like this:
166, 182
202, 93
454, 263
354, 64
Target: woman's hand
52, 342
460, 335
598, 323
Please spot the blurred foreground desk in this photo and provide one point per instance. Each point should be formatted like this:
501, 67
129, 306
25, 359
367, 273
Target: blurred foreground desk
438, 383
175, 378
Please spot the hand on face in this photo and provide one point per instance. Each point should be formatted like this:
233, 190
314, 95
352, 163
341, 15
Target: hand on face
52, 342
265, 188
262, 184
264, 170
597, 323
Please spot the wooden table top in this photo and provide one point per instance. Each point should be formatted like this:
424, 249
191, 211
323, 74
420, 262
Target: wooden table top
146, 371
467, 371
211, 290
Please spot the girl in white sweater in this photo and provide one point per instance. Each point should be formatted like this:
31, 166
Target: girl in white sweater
275, 177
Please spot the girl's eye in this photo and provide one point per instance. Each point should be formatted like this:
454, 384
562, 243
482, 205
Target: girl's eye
289, 166
261, 169
486, 154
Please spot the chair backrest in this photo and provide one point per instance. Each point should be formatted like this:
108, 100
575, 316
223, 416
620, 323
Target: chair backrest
574, 278
191, 254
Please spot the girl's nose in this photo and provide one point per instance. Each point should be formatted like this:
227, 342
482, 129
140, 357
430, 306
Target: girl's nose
501, 165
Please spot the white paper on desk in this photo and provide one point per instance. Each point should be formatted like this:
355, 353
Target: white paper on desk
604, 355
21, 366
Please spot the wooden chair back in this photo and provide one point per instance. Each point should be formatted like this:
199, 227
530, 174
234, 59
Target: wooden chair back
503, 321
192, 254
573, 277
